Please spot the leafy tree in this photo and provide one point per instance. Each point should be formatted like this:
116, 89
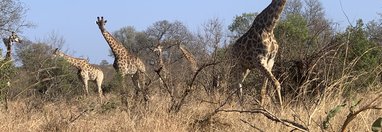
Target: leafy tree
135, 42
12, 15
241, 24
293, 7
292, 34
104, 63
374, 30
11, 19
168, 35
46, 75
360, 45
360, 56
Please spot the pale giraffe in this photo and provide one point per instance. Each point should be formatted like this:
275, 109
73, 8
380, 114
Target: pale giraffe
13, 38
189, 57
186, 54
159, 50
86, 71
257, 48
125, 63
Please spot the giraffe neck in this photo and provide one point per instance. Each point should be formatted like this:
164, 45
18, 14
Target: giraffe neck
76, 62
190, 58
7, 43
116, 47
268, 18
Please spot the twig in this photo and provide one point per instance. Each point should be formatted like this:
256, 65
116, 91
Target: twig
189, 88
209, 115
272, 117
71, 120
353, 114
45, 69
9, 61
342, 9
253, 126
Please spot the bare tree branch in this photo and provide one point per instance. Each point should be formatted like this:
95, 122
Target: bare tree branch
353, 114
272, 117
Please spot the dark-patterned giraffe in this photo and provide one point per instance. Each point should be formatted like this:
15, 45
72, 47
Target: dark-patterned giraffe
257, 48
85, 70
13, 38
125, 63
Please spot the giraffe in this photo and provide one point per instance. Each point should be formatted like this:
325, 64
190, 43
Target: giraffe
159, 51
185, 52
257, 48
125, 63
8, 43
189, 57
86, 71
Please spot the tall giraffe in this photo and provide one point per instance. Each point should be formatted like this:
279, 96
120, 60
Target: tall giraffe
8, 43
86, 71
257, 48
125, 63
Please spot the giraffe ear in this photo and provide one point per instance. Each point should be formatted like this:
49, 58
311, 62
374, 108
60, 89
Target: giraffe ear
105, 21
55, 51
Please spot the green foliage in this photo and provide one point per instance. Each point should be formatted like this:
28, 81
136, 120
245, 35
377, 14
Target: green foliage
361, 54
361, 46
115, 84
294, 27
377, 125
12, 16
241, 24
292, 35
7, 72
52, 77
331, 114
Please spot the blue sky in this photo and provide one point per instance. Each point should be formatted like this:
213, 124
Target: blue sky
74, 20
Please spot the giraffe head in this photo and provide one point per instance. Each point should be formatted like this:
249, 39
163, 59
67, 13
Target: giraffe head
157, 49
101, 23
57, 53
13, 38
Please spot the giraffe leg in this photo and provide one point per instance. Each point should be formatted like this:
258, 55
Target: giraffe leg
142, 79
263, 91
139, 82
271, 62
237, 76
99, 84
136, 83
85, 78
86, 86
244, 75
123, 90
266, 70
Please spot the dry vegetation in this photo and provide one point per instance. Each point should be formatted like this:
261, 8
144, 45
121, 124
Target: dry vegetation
88, 114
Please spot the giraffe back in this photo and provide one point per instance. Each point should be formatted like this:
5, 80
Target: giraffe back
94, 73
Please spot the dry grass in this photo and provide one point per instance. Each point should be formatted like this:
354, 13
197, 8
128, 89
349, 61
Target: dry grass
88, 114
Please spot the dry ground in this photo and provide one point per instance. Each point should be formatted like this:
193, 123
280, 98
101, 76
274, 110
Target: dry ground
88, 114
